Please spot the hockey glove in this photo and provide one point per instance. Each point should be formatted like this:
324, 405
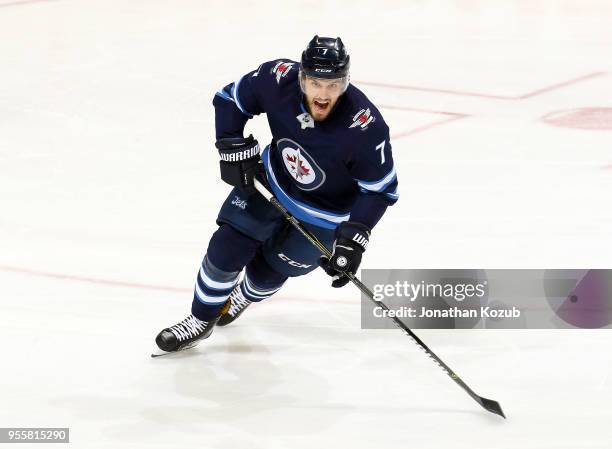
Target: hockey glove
351, 241
240, 161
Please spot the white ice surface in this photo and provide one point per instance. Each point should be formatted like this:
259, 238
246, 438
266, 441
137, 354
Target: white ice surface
108, 175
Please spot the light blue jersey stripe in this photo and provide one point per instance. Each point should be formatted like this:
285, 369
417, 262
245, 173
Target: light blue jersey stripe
304, 212
380, 185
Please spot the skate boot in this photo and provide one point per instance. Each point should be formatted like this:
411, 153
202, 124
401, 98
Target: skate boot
185, 334
238, 304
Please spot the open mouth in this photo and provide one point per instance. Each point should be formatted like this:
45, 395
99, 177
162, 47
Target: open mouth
320, 106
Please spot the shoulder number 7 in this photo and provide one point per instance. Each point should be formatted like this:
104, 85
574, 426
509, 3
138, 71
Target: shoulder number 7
381, 147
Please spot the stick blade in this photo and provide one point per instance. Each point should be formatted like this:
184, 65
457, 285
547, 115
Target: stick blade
492, 406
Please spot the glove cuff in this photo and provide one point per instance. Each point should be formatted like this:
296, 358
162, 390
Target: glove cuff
353, 233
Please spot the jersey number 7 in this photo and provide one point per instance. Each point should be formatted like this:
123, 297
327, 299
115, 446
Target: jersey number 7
381, 147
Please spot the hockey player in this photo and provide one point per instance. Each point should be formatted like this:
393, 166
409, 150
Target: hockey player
329, 163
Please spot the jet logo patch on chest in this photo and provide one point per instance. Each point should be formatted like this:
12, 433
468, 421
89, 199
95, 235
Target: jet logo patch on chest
300, 165
362, 119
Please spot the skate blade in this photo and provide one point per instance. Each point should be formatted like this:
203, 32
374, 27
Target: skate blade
161, 353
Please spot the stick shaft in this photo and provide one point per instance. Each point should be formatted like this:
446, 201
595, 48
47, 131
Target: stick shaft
365, 290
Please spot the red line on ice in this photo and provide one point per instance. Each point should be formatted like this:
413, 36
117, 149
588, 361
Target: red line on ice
420, 129
450, 117
434, 90
428, 111
485, 95
112, 283
91, 280
560, 85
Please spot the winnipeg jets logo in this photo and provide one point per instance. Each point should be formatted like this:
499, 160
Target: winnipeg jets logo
363, 118
305, 120
297, 165
239, 202
281, 69
300, 165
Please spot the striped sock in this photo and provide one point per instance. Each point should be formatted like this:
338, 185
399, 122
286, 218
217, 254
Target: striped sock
254, 293
213, 287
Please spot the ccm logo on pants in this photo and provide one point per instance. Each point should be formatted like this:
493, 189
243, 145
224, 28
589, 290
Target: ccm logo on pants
293, 263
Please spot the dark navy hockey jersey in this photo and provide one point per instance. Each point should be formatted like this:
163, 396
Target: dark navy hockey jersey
322, 172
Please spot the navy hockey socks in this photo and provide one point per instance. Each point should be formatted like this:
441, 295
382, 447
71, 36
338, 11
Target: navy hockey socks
228, 252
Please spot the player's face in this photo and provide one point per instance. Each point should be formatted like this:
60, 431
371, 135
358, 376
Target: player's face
322, 95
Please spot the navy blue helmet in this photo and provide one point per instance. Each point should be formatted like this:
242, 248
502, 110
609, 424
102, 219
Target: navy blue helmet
325, 57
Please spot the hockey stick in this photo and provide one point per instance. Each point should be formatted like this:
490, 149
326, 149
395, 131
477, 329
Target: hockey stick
488, 404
